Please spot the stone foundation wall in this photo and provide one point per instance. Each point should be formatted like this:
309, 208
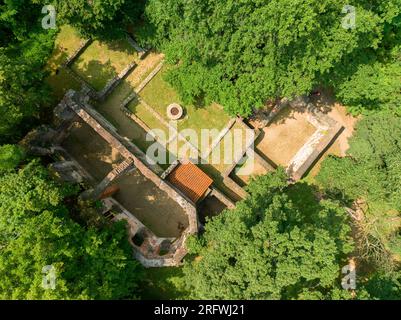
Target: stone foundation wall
73, 101
77, 52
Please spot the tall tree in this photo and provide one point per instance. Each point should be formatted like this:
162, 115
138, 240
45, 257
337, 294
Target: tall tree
280, 243
243, 53
371, 176
37, 233
105, 19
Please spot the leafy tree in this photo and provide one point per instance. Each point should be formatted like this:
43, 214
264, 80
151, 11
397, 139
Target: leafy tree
36, 231
105, 19
279, 243
383, 286
371, 175
26, 193
21, 94
17, 19
89, 264
373, 85
10, 157
24, 50
243, 53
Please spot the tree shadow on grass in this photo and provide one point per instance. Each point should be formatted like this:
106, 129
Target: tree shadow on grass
95, 73
121, 45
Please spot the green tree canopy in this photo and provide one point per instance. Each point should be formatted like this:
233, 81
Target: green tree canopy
371, 174
10, 156
104, 19
279, 243
243, 53
24, 50
36, 231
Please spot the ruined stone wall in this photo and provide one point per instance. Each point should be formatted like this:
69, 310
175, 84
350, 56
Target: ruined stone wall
73, 101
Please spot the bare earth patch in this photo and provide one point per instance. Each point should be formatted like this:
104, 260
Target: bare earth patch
92, 152
152, 206
285, 136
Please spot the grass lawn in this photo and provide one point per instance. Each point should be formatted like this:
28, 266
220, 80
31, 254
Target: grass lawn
149, 119
159, 94
236, 145
66, 43
102, 61
160, 284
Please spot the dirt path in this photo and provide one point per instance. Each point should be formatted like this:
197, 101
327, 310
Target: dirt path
339, 113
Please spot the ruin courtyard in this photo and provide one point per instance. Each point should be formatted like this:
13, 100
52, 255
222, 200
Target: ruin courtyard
113, 106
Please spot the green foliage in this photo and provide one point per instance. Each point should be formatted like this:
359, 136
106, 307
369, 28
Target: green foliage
24, 50
272, 246
371, 174
26, 193
21, 94
10, 157
384, 286
90, 263
243, 53
17, 19
371, 86
104, 19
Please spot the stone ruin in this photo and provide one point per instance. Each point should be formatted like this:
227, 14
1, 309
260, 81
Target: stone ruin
151, 250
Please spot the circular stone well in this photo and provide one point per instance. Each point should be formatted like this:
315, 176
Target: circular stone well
175, 111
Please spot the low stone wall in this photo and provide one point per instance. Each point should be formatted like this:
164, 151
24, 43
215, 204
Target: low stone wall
110, 86
221, 136
77, 52
117, 172
86, 86
149, 78
243, 152
298, 168
235, 187
170, 169
327, 132
223, 198
141, 51
102, 95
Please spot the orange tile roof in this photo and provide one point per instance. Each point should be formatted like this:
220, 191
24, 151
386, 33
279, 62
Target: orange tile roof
191, 180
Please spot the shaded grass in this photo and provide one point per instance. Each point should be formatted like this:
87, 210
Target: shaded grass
102, 61
161, 284
67, 41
